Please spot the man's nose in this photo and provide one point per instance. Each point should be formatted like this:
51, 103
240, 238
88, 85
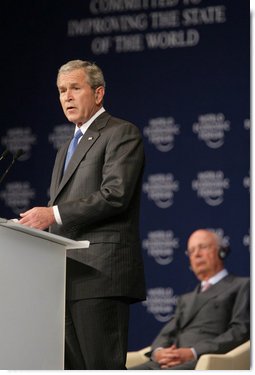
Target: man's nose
69, 95
197, 251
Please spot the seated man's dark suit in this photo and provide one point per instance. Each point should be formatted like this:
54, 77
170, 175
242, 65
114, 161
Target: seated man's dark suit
214, 321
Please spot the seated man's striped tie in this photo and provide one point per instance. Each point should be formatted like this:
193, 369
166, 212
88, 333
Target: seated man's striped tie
205, 285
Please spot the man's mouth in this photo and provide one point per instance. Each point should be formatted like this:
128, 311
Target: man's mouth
70, 109
200, 263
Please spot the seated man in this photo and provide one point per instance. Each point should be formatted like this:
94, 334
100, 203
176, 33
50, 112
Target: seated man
212, 319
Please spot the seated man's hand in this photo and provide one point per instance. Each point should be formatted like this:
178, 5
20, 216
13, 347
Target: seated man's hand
169, 357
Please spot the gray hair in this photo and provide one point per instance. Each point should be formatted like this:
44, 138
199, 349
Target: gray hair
94, 73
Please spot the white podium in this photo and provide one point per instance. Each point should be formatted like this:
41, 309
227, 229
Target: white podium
32, 297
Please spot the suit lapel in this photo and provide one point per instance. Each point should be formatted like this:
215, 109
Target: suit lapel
187, 309
59, 166
85, 144
87, 141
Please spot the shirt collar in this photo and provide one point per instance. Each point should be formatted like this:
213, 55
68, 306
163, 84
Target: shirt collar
86, 124
216, 278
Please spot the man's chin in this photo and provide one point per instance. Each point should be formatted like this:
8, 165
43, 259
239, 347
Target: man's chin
71, 119
200, 272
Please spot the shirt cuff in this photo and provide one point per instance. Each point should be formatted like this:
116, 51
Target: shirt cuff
194, 352
154, 351
57, 215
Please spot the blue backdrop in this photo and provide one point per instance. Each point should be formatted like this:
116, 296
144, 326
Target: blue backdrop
178, 69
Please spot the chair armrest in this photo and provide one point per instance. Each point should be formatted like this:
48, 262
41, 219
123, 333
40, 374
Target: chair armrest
138, 357
236, 359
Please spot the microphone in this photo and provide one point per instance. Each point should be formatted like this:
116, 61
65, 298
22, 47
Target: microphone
18, 154
15, 157
4, 154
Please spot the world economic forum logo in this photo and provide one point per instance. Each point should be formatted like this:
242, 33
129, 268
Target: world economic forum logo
211, 128
161, 302
224, 239
19, 138
246, 239
160, 245
210, 186
161, 132
60, 135
247, 182
247, 124
161, 188
18, 195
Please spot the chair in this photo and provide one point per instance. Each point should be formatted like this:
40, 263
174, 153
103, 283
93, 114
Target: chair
236, 359
137, 357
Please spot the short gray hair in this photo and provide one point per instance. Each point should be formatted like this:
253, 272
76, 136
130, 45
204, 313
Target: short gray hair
94, 73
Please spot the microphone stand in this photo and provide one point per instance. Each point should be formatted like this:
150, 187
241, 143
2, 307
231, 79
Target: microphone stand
15, 157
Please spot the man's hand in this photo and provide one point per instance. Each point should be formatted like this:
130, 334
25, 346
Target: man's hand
38, 217
169, 357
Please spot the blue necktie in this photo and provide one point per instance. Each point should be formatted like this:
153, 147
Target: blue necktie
72, 147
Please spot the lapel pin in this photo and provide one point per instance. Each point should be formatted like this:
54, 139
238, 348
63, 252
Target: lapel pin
90, 138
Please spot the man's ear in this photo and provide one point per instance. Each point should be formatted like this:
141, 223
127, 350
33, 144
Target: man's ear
99, 94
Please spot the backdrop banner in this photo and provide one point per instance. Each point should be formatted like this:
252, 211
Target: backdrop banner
180, 71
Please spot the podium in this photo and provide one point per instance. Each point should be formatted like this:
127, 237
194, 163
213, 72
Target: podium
32, 297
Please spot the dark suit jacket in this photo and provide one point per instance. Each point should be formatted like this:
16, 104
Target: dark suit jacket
98, 199
214, 321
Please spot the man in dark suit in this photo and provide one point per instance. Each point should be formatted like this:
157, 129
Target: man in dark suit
214, 318
96, 197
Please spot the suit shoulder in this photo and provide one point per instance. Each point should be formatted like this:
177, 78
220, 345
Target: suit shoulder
238, 282
184, 296
240, 279
119, 122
